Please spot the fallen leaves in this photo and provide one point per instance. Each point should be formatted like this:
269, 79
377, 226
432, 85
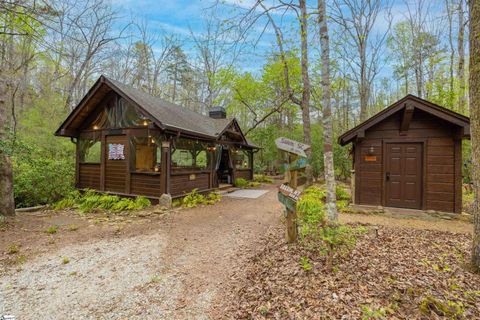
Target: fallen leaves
394, 273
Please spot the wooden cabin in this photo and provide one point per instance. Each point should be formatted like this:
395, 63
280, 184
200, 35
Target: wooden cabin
131, 143
409, 156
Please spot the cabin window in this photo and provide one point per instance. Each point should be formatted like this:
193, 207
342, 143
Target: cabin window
90, 150
187, 153
241, 159
124, 115
146, 154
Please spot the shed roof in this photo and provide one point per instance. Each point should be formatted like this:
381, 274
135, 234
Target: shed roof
164, 114
412, 102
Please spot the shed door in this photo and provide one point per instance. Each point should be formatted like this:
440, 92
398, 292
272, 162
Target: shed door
403, 175
116, 151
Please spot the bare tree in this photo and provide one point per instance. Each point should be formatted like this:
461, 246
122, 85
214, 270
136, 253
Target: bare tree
357, 19
461, 57
17, 21
7, 205
91, 33
450, 14
218, 48
327, 114
474, 86
304, 101
306, 90
424, 42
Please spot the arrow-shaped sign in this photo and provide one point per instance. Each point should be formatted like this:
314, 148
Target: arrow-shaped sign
292, 146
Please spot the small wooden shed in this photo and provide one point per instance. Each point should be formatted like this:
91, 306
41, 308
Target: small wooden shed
409, 156
131, 143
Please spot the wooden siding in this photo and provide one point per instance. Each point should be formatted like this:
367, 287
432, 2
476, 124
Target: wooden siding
180, 183
89, 175
369, 173
442, 155
116, 170
244, 173
440, 177
145, 184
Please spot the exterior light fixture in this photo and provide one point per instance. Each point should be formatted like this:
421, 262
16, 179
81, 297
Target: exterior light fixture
145, 123
95, 127
371, 151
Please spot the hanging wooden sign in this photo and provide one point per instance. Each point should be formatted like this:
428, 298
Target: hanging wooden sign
292, 146
298, 164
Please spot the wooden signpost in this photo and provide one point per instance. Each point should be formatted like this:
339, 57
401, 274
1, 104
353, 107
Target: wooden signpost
287, 192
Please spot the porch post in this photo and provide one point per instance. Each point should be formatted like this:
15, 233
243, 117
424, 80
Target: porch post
352, 184
165, 168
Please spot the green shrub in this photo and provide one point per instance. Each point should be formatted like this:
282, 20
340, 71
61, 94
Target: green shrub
372, 313
261, 178
316, 231
64, 204
241, 183
41, 180
193, 199
92, 200
305, 263
341, 193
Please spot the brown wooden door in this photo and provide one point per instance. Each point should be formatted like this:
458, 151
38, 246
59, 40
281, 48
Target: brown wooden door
116, 169
403, 175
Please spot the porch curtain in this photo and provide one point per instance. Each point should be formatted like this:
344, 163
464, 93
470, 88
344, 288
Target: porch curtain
218, 155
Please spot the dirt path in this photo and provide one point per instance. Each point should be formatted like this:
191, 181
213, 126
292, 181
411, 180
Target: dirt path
161, 268
150, 267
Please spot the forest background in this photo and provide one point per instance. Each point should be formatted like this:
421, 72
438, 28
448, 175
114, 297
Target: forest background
228, 55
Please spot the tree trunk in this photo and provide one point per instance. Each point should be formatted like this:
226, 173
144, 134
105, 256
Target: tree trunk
461, 58
305, 103
450, 14
364, 88
474, 86
7, 206
327, 115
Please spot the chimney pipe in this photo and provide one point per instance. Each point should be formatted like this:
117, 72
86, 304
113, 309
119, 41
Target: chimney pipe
217, 113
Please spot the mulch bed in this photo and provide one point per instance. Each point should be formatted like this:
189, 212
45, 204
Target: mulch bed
395, 274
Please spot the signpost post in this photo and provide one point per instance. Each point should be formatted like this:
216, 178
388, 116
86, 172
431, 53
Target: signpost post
287, 192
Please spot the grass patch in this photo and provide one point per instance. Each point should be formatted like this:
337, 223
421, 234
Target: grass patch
21, 259
52, 230
65, 260
155, 278
91, 201
13, 248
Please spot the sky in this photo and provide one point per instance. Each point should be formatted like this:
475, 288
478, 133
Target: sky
181, 17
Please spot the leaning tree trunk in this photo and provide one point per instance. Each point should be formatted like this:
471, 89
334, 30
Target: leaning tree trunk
7, 206
305, 103
474, 86
327, 114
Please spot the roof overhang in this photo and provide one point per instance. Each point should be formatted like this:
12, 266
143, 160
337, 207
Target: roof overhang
409, 103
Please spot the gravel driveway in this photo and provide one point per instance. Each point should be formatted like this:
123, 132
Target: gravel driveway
168, 269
